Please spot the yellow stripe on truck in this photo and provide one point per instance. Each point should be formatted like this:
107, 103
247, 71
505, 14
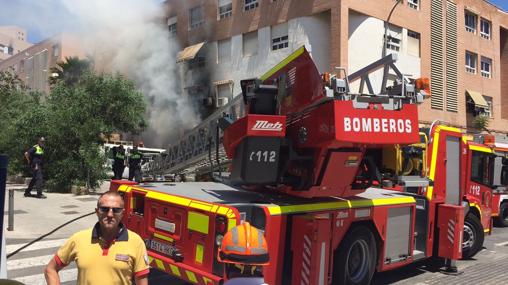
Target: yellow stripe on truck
208, 207
279, 210
481, 148
160, 264
198, 222
191, 276
163, 237
433, 161
175, 270
282, 64
199, 253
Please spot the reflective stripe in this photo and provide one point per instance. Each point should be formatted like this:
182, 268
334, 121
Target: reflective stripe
260, 240
349, 204
481, 148
282, 64
163, 237
234, 233
199, 253
258, 250
160, 264
174, 270
235, 248
198, 222
191, 276
433, 161
38, 150
477, 208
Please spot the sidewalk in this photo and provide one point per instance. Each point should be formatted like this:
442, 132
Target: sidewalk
35, 217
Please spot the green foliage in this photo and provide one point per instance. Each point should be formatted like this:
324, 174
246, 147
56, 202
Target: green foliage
81, 108
481, 122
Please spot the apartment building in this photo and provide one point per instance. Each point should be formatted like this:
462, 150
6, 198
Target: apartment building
460, 44
12, 41
33, 64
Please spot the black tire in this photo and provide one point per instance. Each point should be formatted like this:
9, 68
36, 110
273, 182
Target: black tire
355, 260
502, 220
473, 236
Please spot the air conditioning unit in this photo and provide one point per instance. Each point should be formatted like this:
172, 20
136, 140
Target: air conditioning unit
208, 101
222, 101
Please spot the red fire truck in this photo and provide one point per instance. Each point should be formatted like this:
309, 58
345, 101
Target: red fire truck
471, 165
493, 170
301, 173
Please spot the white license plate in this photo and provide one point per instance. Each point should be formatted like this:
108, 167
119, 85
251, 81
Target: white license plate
162, 248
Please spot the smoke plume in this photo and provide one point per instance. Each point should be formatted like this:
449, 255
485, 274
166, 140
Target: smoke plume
131, 37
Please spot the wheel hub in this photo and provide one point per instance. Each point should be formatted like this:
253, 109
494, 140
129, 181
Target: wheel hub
358, 260
469, 236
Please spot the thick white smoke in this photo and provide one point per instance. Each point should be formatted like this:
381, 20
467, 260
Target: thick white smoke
130, 36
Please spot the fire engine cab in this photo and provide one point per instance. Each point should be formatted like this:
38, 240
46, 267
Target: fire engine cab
301, 172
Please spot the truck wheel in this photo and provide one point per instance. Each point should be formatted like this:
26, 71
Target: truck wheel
473, 236
355, 260
502, 219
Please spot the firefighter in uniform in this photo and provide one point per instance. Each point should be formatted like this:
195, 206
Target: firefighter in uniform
34, 158
244, 251
135, 164
118, 161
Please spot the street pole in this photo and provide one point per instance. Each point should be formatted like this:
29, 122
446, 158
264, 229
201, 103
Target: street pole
4, 161
385, 37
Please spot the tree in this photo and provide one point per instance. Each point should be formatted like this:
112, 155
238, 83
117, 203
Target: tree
481, 122
70, 70
22, 119
82, 108
82, 111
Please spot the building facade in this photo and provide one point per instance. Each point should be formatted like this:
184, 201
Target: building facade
33, 64
12, 41
461, 45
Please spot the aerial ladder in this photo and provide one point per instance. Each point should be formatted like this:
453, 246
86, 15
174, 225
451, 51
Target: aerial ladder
301, 172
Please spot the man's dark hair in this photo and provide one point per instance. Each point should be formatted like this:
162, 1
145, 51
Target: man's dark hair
110, 193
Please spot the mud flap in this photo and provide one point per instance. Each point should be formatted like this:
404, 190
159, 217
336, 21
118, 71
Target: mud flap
311, 249
451, 227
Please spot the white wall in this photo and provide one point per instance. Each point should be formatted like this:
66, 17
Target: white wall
313, 32
366, 46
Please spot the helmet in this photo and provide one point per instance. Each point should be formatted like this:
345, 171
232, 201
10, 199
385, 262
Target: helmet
244, 244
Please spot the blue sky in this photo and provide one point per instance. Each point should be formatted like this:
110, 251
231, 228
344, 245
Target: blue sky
501, 3
44, 18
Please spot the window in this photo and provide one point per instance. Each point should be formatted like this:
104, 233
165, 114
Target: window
224, 51
280, 36
225, 9
56, 50
413, 4
471, 60
488, 112
486, 67
413, 43
197, 62
172, 26
224, 92
196, 17
250, 4
470, 22
250, 43
485, 29
482, 165
393, 38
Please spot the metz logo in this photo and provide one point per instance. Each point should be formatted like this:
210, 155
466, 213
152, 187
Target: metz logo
267, 126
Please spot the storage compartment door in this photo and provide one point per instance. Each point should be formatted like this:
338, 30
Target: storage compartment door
451, 226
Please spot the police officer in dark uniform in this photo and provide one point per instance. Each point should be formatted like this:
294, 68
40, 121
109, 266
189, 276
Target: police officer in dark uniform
135, 158
34, 158
119, 161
